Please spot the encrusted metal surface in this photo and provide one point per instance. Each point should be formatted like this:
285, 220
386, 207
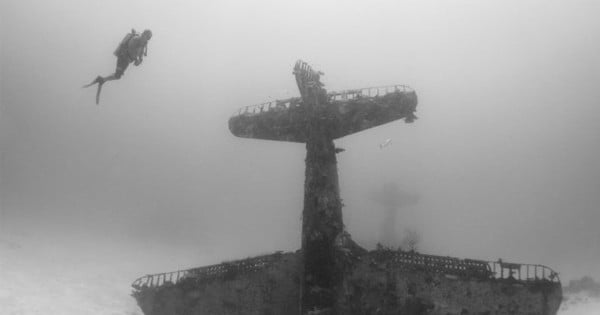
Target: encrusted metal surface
346, 112
480, 269
222, 270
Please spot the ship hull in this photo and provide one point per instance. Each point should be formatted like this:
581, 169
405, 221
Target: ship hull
375, 283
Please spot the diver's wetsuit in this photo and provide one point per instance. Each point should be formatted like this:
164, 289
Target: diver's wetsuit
123, 59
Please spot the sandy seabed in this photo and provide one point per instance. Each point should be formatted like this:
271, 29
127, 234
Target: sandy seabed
50, 273
49, 276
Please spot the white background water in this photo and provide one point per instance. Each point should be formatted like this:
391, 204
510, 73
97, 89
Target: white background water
503, 159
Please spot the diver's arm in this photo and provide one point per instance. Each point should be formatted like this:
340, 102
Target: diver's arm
138, 50
139, 56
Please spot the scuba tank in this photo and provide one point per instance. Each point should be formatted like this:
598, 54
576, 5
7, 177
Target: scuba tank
124, 42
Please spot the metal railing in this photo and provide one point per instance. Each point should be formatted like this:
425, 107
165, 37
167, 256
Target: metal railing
475, 268
368, 92
244, 266
269, 106
438, 264
345, 95
523, 272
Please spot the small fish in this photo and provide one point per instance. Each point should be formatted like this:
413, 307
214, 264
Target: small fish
386, 143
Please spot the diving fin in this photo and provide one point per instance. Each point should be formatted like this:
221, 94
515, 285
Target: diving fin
98, 80
98, 92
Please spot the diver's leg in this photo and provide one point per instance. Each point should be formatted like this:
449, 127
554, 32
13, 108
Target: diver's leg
122, 64
111, 77
115, 76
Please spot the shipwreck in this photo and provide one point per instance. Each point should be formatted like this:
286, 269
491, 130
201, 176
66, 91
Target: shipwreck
330, 273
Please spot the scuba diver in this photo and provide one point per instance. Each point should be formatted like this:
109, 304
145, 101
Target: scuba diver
132, 48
